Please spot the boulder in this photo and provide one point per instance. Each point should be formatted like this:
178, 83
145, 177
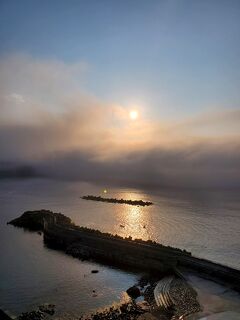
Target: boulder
47, 308
94, 271
33, 315
147, 316
4, 316
134, 292
144, 306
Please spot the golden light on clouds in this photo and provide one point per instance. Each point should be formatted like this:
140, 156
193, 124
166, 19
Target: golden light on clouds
133, 114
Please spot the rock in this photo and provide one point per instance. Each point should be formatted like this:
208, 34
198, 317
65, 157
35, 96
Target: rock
144, 306
33, 315
147, 316
47, 308
148, 293
134, 292
124, 308
94, 271
143, 281
126, 311
35, 220
40, 314
4, 316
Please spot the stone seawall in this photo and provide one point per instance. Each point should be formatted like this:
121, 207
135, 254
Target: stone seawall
139, 255
211, 270
87, 245
84, 243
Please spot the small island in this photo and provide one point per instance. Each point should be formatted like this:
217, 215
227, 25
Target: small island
121, 201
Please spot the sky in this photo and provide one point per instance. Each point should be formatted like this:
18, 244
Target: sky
71, 71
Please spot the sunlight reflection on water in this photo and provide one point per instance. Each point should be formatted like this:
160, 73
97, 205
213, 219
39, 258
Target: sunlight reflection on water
134, 219
131, 220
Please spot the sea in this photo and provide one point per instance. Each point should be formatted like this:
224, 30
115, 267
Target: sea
203, 221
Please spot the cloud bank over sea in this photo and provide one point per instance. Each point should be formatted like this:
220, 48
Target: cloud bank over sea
52, 126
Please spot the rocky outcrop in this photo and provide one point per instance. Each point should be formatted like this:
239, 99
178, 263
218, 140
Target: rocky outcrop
41, 313
4, 316
126, 311
47, 308
35, 220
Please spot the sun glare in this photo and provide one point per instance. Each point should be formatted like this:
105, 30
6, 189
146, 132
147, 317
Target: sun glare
133, 114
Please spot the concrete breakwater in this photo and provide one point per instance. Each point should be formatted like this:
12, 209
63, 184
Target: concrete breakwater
61, 233
120, 201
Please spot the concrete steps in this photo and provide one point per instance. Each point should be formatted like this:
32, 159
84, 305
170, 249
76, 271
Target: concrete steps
161, 293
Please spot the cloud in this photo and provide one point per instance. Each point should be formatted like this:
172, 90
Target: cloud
17, 98
196, 166
31, 87
51, 126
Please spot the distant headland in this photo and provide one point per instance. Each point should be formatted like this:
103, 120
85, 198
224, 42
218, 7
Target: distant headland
121, 201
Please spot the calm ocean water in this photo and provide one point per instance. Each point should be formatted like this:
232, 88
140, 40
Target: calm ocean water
206, 222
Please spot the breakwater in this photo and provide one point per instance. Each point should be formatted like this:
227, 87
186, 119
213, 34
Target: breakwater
120, 201
61, 233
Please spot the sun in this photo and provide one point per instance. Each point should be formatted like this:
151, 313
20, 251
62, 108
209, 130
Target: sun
133, 114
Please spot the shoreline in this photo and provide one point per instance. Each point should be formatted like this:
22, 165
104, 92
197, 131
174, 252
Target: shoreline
209, 303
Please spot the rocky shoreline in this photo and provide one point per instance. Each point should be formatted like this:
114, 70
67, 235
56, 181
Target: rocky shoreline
184, 302
43, 312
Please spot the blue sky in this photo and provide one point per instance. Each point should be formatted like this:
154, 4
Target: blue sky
176, 58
